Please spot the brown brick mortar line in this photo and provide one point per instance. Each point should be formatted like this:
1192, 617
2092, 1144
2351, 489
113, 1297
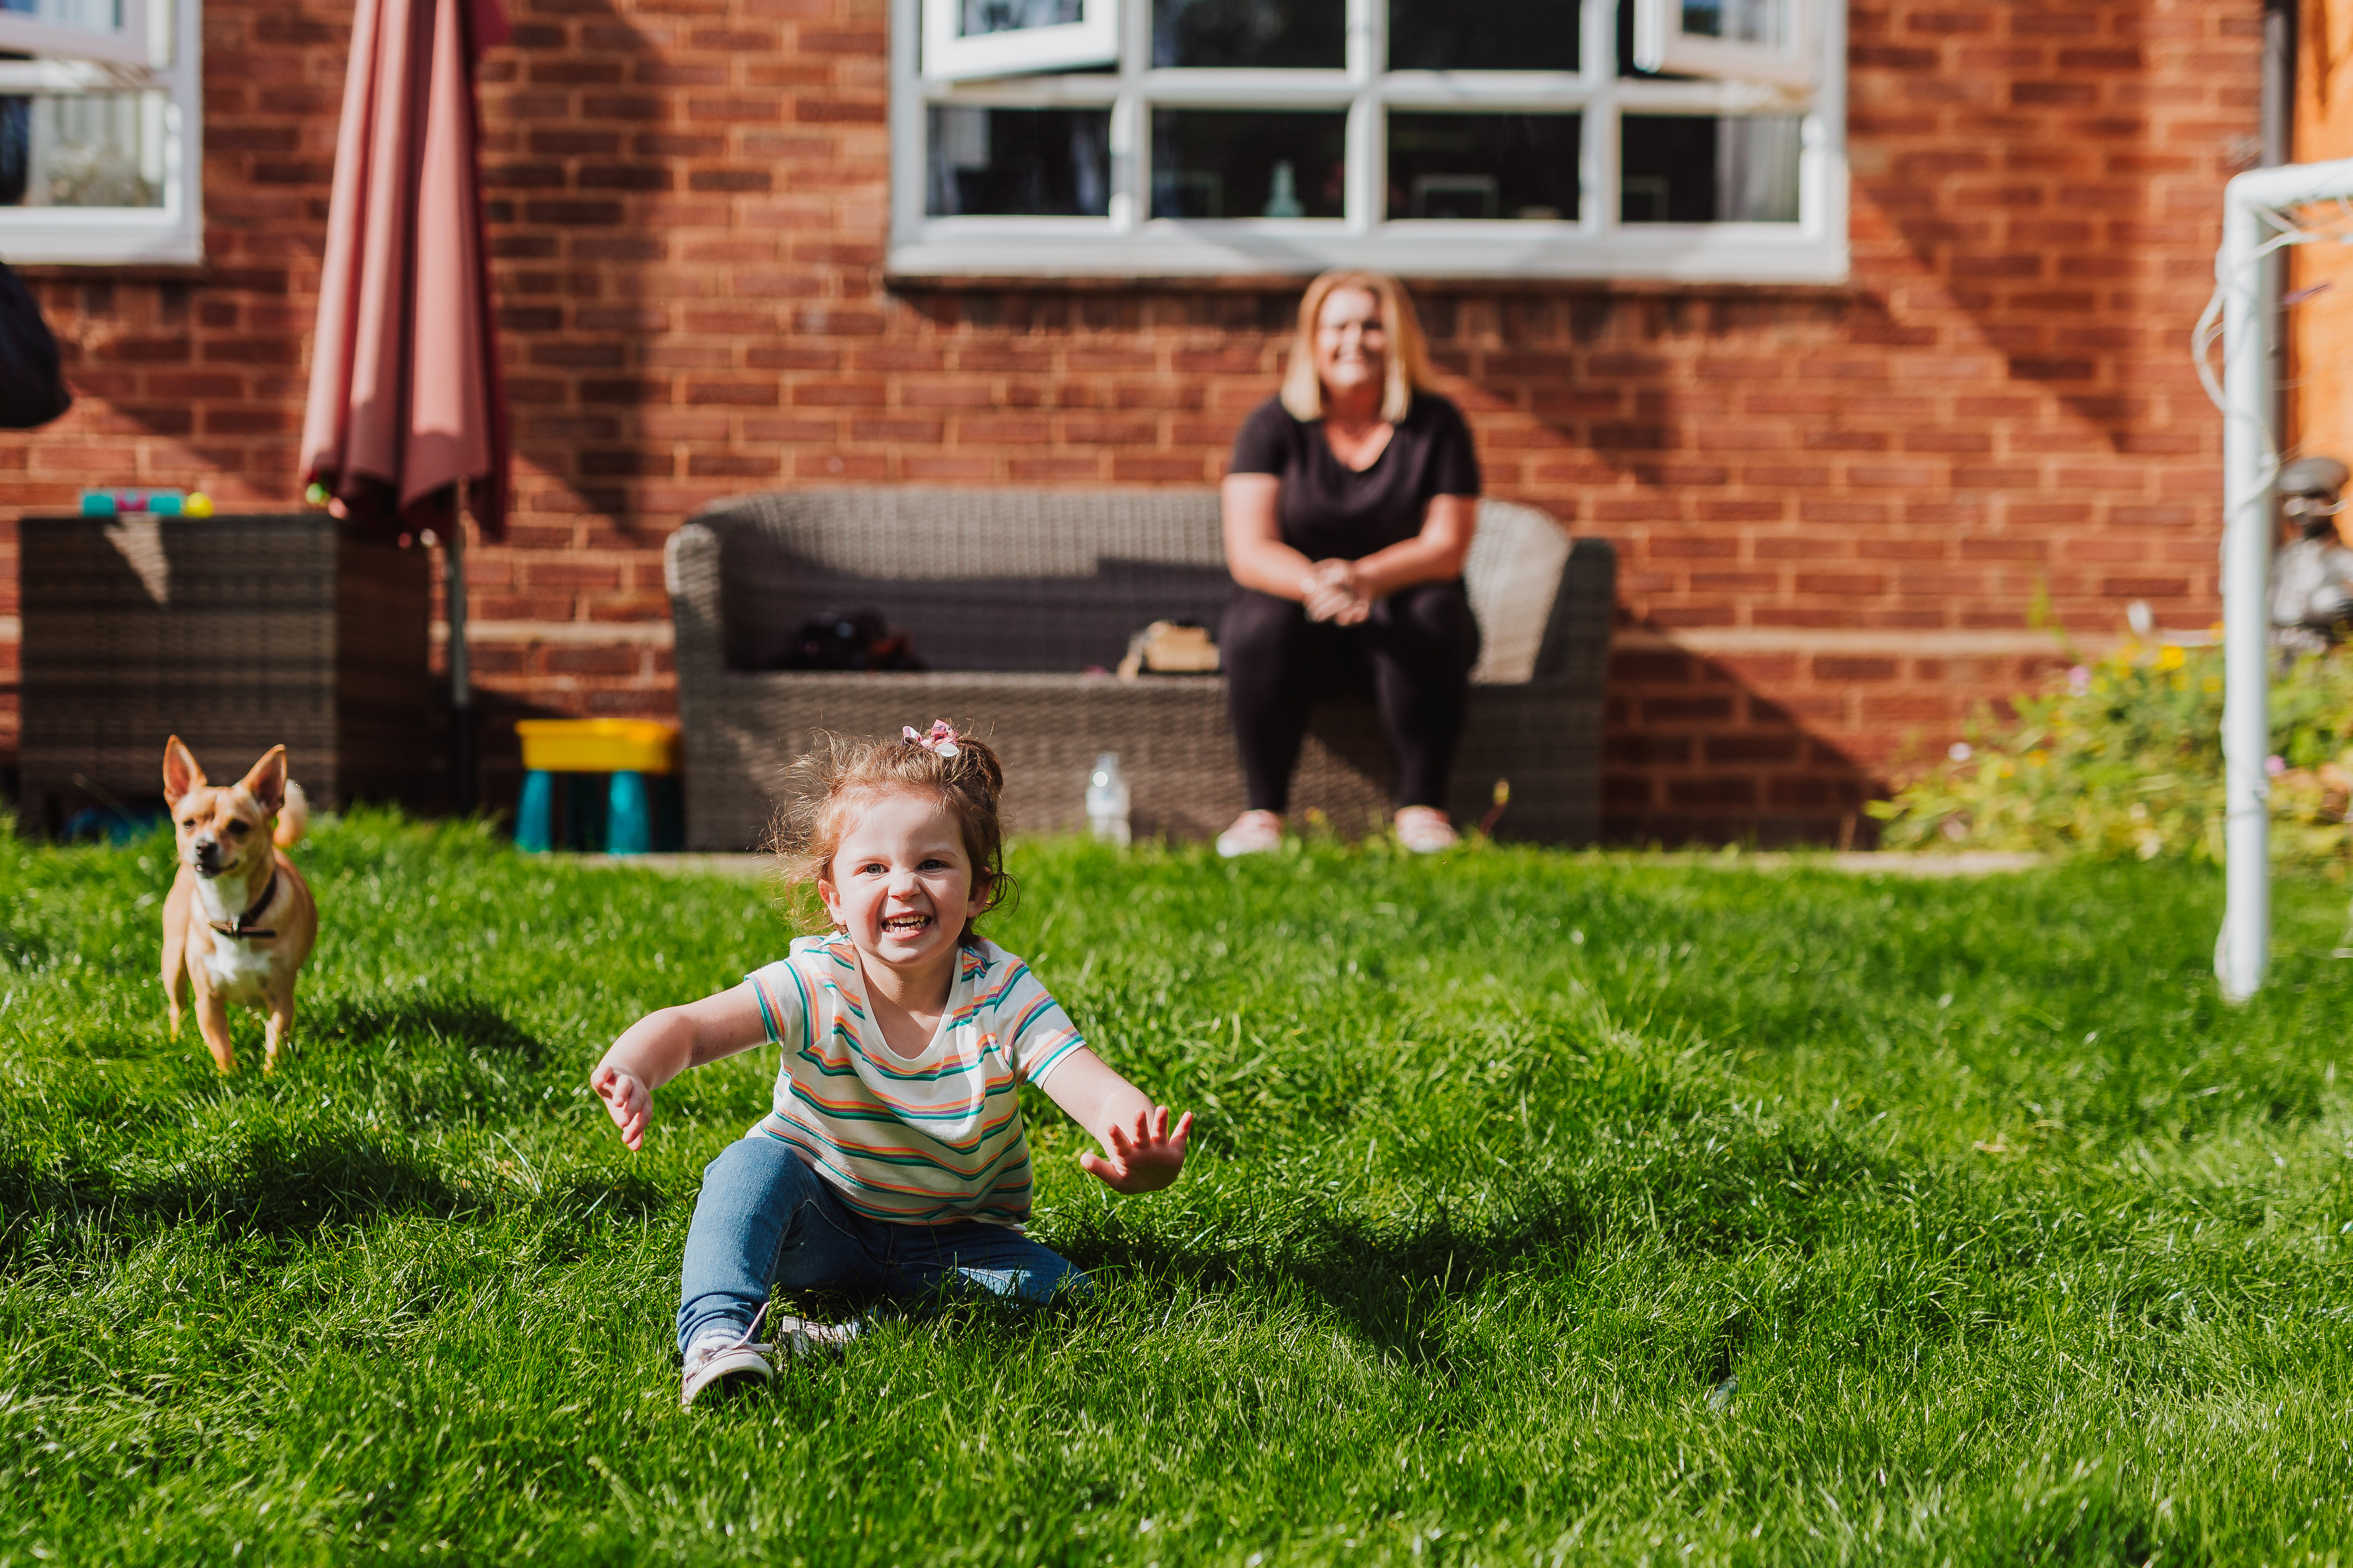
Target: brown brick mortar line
198, 274
1698, 639
594, 634
211, 273
1832, 639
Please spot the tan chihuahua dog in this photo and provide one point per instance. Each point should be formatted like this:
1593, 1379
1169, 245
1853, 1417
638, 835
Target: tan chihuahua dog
240, 920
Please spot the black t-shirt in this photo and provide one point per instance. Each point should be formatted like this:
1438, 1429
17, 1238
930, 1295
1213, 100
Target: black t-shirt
1329, 511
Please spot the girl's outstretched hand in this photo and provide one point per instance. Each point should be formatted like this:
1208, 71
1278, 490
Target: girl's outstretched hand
627, 1102
1144, 1158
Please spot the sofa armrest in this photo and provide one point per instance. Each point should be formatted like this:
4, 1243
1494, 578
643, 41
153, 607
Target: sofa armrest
690, 572
1575, 651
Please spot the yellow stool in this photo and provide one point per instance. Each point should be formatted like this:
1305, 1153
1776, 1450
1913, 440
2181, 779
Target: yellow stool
635, 756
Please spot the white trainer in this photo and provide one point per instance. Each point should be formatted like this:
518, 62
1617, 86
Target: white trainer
1253, 833
737, 1360
729, 1361
802, 1337
1425, 830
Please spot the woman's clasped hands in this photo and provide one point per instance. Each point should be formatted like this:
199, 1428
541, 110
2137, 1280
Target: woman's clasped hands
1331, 592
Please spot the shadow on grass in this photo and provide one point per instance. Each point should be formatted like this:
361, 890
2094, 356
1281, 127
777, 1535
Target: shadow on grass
458, 1021
1712, 1191
1392, 1282
281, 1187
271, 1187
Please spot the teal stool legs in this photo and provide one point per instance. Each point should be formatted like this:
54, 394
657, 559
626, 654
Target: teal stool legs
628, 815
535, 816
620, 814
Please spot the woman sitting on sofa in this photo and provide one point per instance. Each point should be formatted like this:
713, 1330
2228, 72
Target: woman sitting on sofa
1348, 509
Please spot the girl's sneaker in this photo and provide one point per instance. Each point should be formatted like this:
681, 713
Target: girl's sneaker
725, 1359
735, 1362
1253, 833
1425, 830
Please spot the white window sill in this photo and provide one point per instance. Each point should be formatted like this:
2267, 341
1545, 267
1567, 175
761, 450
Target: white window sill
86, 236
1084, 248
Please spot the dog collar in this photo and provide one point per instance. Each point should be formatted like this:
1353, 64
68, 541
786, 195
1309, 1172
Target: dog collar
239, 927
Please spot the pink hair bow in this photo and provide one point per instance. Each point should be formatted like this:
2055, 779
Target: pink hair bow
939, 742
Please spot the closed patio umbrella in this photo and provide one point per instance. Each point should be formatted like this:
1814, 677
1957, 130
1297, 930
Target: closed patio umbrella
405, 410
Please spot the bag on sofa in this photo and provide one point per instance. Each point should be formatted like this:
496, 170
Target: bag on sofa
850, 640
1169, 647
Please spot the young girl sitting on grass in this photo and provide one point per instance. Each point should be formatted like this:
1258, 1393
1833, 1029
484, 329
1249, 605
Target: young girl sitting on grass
894, 1163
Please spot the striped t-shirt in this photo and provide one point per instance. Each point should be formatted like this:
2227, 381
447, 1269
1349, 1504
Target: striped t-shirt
927, 1140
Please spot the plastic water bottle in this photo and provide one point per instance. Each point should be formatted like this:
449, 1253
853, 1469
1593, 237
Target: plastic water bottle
1107, 800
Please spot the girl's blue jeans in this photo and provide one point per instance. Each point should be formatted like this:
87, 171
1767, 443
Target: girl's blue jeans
765, 1218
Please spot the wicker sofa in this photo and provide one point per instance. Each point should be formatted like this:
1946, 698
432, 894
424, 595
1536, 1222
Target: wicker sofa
1012, 597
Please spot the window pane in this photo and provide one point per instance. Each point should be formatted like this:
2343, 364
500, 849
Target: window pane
978, 17
1738, 21
1215, 162
1676, 169
15, 149
89, 150
1293, 35
1483, 166
1500, 35
1052, 162
89, 15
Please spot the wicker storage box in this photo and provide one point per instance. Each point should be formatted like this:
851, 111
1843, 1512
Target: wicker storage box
235, 633
1009, 594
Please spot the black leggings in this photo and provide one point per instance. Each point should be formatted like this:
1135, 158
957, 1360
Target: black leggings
1420, 644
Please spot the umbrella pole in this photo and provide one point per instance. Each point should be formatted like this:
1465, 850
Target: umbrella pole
462, 690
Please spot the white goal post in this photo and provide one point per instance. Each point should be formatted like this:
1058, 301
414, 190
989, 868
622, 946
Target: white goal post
2259, 219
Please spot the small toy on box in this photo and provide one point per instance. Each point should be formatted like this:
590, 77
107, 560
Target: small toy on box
154, 503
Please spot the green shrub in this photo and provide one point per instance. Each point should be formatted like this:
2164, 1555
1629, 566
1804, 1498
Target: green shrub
2124, 758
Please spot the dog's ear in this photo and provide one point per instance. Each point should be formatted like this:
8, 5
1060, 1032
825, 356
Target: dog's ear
266, 782
181, 773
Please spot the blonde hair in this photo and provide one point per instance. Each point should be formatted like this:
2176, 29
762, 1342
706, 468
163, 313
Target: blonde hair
1406, 367
846, 774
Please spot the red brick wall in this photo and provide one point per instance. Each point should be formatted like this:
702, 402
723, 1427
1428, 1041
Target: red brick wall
1833, 506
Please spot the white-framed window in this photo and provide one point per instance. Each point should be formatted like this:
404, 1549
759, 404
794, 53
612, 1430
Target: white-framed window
101, 105
1751, 40
1696, 140
967, 38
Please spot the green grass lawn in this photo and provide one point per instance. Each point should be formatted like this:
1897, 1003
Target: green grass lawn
2020, 1246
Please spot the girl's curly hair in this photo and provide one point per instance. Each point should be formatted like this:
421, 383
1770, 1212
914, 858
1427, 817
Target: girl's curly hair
835, 781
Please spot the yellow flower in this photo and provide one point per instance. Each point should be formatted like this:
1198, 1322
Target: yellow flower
2036, 758
2172, 658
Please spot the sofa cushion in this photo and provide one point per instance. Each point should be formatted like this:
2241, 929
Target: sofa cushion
1006, 579
1051, 580
1513, 575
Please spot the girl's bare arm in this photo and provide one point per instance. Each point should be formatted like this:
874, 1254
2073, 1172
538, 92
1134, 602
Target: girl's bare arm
660, 1045
1142, 1152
